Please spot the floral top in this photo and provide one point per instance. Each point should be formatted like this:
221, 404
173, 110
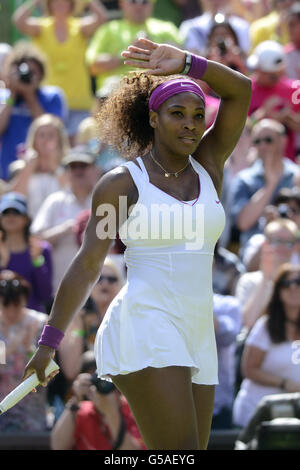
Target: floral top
20, 340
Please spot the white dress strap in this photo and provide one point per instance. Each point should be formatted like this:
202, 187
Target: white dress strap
145, 172
136, 174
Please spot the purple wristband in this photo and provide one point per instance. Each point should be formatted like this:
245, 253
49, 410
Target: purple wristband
198, 67
51, 337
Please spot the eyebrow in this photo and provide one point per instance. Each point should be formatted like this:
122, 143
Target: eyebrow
202, 108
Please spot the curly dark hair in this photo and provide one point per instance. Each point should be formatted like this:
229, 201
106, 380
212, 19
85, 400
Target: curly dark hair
275, 309
123, 118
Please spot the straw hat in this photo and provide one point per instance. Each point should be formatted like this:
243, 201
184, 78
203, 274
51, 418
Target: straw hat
78, 6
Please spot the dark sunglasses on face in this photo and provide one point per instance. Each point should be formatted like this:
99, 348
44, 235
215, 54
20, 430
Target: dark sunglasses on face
109, 279
286, 283
76, 165
266, 140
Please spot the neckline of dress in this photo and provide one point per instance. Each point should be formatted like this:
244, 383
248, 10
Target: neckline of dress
189, 203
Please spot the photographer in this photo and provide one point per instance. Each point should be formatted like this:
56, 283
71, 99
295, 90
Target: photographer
96, 418
24, 99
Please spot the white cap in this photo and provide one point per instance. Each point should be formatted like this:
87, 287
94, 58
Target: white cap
268, 56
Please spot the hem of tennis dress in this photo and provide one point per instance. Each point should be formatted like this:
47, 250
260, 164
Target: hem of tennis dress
107, 376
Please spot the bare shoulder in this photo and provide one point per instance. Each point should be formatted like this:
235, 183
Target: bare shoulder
115, 183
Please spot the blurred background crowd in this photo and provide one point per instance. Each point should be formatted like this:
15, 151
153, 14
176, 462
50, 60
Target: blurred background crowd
59, 60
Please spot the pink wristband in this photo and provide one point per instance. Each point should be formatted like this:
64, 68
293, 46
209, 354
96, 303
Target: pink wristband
51, 337
198, 67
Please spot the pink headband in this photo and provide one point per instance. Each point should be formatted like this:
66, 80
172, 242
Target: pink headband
173, 87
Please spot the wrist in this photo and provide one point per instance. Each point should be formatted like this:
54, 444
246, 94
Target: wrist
198, 67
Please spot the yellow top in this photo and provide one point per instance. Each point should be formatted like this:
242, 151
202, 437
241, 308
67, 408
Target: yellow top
67, 68
267, 28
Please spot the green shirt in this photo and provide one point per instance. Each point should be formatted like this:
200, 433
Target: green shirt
116, 35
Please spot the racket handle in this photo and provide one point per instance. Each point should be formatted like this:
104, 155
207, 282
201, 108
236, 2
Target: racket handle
24, 388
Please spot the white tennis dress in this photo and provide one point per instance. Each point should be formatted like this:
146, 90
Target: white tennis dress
163, 314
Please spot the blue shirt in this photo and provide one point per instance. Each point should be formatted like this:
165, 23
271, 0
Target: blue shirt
227, 311
248, 182
51, 99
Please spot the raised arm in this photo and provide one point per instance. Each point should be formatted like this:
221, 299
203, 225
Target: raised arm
97, 16
83, 272
24, 21
233, 88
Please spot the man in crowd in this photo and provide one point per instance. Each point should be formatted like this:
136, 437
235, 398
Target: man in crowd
104, 52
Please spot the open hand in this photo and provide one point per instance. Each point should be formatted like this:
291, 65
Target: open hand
159, 59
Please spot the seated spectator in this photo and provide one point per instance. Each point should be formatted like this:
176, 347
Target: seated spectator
55, 219
267, 359
257, 186
22, 253
96, 418
273, 26
254, 289
227, 321
223, 46
273, 92
104, 51
24, 99
196, 30
20, 329
292, 49
63, 38
41, 175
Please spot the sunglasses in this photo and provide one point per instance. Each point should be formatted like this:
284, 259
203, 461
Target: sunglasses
288, 244
286, 283
109, 279
76, 165
266, 140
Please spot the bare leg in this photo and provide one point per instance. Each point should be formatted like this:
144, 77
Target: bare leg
204, 403
162, 403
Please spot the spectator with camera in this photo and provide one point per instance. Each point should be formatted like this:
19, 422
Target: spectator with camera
196, 30
24, 99
96, 418
258, 186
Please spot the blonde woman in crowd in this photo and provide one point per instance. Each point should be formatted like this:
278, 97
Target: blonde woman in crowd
40, 176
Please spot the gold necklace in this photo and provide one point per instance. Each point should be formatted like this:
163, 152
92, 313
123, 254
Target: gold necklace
167, 173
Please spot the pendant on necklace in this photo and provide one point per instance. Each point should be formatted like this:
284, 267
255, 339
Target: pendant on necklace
167, 175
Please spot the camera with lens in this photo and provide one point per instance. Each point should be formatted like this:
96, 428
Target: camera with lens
24, 72
103, 386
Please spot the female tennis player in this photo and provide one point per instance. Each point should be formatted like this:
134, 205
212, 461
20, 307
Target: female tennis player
156, 342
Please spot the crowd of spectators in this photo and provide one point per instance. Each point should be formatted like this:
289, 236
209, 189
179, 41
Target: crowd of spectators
52, 84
